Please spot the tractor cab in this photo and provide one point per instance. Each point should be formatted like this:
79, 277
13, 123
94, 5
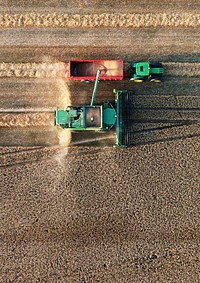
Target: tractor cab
142, 69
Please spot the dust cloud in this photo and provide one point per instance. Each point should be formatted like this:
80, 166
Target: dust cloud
63, 94
64, 140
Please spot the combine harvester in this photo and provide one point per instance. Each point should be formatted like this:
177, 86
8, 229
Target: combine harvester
100, 118
104, 117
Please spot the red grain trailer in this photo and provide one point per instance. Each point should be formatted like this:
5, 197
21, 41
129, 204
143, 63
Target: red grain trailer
86, 70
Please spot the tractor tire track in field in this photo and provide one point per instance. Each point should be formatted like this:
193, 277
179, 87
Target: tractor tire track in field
132, 20
26, 119
60, 69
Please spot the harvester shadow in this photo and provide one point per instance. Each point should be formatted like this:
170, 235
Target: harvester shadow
102, 228
150, 131
105, 139
154, 137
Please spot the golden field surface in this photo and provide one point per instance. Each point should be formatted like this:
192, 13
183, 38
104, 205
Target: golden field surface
73, 208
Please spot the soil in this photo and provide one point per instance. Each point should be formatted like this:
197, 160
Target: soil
73, 208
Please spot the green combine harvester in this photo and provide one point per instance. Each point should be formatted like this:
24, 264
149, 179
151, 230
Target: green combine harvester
147, 71
100, 117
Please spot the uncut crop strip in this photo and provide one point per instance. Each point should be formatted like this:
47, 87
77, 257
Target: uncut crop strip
61, 70
132, 20
26, 119
34, 70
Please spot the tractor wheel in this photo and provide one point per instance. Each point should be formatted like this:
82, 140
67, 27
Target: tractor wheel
86, 81
155, 80
139, 80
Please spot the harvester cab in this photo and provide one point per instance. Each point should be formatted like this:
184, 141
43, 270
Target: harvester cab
87, 117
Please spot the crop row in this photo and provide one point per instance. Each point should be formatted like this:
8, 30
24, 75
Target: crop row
133, 20
26, 119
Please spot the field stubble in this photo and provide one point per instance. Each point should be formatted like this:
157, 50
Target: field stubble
99, 214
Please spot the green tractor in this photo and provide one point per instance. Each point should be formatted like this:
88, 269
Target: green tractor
87, 117
147, 71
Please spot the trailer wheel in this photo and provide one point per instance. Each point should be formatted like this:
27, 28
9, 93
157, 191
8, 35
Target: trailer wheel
86, 81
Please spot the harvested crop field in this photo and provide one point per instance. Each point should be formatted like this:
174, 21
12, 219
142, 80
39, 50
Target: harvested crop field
73, 208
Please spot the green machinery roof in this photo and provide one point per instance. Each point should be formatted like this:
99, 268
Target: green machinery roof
142, 69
